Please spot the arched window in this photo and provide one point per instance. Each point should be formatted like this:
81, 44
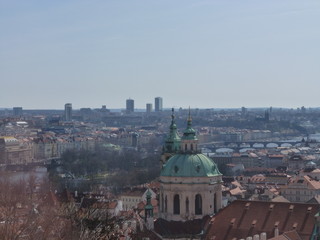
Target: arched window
162, 203
215, 203
191, 147
185, 147
176, 204
198, 205
187, 205
165, 204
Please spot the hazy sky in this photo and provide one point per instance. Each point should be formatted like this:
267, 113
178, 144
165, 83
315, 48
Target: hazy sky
205, 54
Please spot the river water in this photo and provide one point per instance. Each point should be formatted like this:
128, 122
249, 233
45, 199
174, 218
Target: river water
16, 176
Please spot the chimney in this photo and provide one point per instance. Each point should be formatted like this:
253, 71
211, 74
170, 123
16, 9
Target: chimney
253, 224
249, 238
295, 225
276, 232
271, 207
232, 221
276, 229
256, 237
263, 236
247, 205
291, 208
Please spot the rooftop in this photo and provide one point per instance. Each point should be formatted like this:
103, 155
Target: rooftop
190, 165
240, 219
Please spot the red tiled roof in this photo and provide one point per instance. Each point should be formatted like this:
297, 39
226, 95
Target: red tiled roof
292, 235
246, 218
113, 204
314, 184
179, 229
145, 235
236, 191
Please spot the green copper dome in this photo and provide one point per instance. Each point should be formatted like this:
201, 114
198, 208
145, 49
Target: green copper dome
190, 165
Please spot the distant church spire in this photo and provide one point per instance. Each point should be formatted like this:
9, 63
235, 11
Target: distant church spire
148, 210
189, 133
189, 118
189, 140
172, 142
172, 116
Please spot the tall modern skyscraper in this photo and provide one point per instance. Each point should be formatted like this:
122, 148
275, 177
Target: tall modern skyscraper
158, 104
130, 105
149, 107
17, 111
68, 112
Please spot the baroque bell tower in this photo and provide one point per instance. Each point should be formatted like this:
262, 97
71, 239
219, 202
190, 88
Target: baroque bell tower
172, 143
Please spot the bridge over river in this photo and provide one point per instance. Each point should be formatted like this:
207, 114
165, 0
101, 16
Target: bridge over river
47, 163
237, 146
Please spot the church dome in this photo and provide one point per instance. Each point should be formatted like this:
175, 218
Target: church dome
190, 165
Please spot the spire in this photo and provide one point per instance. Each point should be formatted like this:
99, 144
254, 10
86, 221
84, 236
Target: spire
148, 209
189, 119
189, 141
189, 133
173, 122
172, 142
172, 114
149, 195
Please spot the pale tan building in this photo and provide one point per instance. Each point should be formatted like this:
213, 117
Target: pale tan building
132, 198
190, 182
13, 152
301, 189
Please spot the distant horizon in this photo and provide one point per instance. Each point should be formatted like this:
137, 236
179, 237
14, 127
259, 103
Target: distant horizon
164, 109
204, 53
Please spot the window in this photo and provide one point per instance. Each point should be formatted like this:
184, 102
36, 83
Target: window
162, 203
165, 204
215, 203
176, 204
187, 205
198, 205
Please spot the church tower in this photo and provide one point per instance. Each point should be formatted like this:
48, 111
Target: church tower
148, 211
172, 142
190, 182
189, 141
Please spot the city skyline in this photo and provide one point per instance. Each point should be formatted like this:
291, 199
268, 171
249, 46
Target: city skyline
150, 106
206, 54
